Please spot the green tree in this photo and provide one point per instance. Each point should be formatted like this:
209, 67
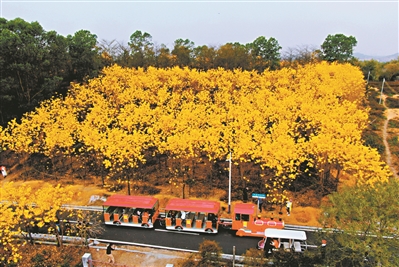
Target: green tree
368, 218
142, 49
85, 56
182, 52
265, 53
34, 66
233, 56
373, 67
338, 47
391, 70
163, 58
204, 57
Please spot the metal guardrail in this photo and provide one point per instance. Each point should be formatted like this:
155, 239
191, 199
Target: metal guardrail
302, 228
106, 241
50, 238
65, 206
89, 208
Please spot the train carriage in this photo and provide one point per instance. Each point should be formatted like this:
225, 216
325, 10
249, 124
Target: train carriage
135, 211
192, 215
247, 223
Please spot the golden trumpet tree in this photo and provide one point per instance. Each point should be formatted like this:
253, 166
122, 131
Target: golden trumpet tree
288, 122
23, 208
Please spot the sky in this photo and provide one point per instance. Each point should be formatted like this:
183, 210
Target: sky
294, 24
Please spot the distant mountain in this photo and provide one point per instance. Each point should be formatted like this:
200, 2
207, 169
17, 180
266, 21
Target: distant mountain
378, 58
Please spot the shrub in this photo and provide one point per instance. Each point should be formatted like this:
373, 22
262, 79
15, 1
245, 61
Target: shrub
393, 123
392, 102
373, 140
210, 252
393, 141
255, 257
302, 217
43, 255
191, 261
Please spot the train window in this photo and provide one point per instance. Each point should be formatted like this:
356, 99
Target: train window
238, 217
110, 209
245, 217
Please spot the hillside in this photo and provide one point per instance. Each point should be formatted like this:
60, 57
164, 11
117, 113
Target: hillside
386, 58
198, 177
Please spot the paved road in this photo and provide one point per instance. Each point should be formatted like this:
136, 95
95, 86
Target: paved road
182, 240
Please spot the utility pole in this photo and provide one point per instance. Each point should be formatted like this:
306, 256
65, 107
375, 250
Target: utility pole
229, 160
368, 77
382, 89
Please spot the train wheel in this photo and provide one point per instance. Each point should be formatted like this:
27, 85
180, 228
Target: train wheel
179, 228
209, 231
117, 223
240, 233
145, 225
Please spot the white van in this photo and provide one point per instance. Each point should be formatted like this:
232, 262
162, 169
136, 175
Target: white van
289, 240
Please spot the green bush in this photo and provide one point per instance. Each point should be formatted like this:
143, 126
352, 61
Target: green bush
392, 102
393, 123
373, 140
393, 141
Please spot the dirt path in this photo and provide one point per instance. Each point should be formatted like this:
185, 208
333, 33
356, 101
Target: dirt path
390, 114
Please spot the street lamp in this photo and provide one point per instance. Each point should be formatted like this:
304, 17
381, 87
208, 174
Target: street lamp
229, 160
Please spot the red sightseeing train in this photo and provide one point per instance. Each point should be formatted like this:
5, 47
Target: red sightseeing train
189, 215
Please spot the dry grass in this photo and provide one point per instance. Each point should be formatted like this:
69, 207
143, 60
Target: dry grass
129, 256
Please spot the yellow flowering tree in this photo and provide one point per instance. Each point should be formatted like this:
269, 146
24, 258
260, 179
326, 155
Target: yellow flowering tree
303, 122
23, 208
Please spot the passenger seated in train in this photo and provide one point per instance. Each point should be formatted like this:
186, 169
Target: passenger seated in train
276, 243
212, 217
139, 213
150, 213
172, 215
146, 213
183, 215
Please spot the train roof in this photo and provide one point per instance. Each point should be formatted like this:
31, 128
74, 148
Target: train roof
145, 202
244, 208
194, 205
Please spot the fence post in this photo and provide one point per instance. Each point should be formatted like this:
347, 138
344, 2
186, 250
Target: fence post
86, 260
234, 256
